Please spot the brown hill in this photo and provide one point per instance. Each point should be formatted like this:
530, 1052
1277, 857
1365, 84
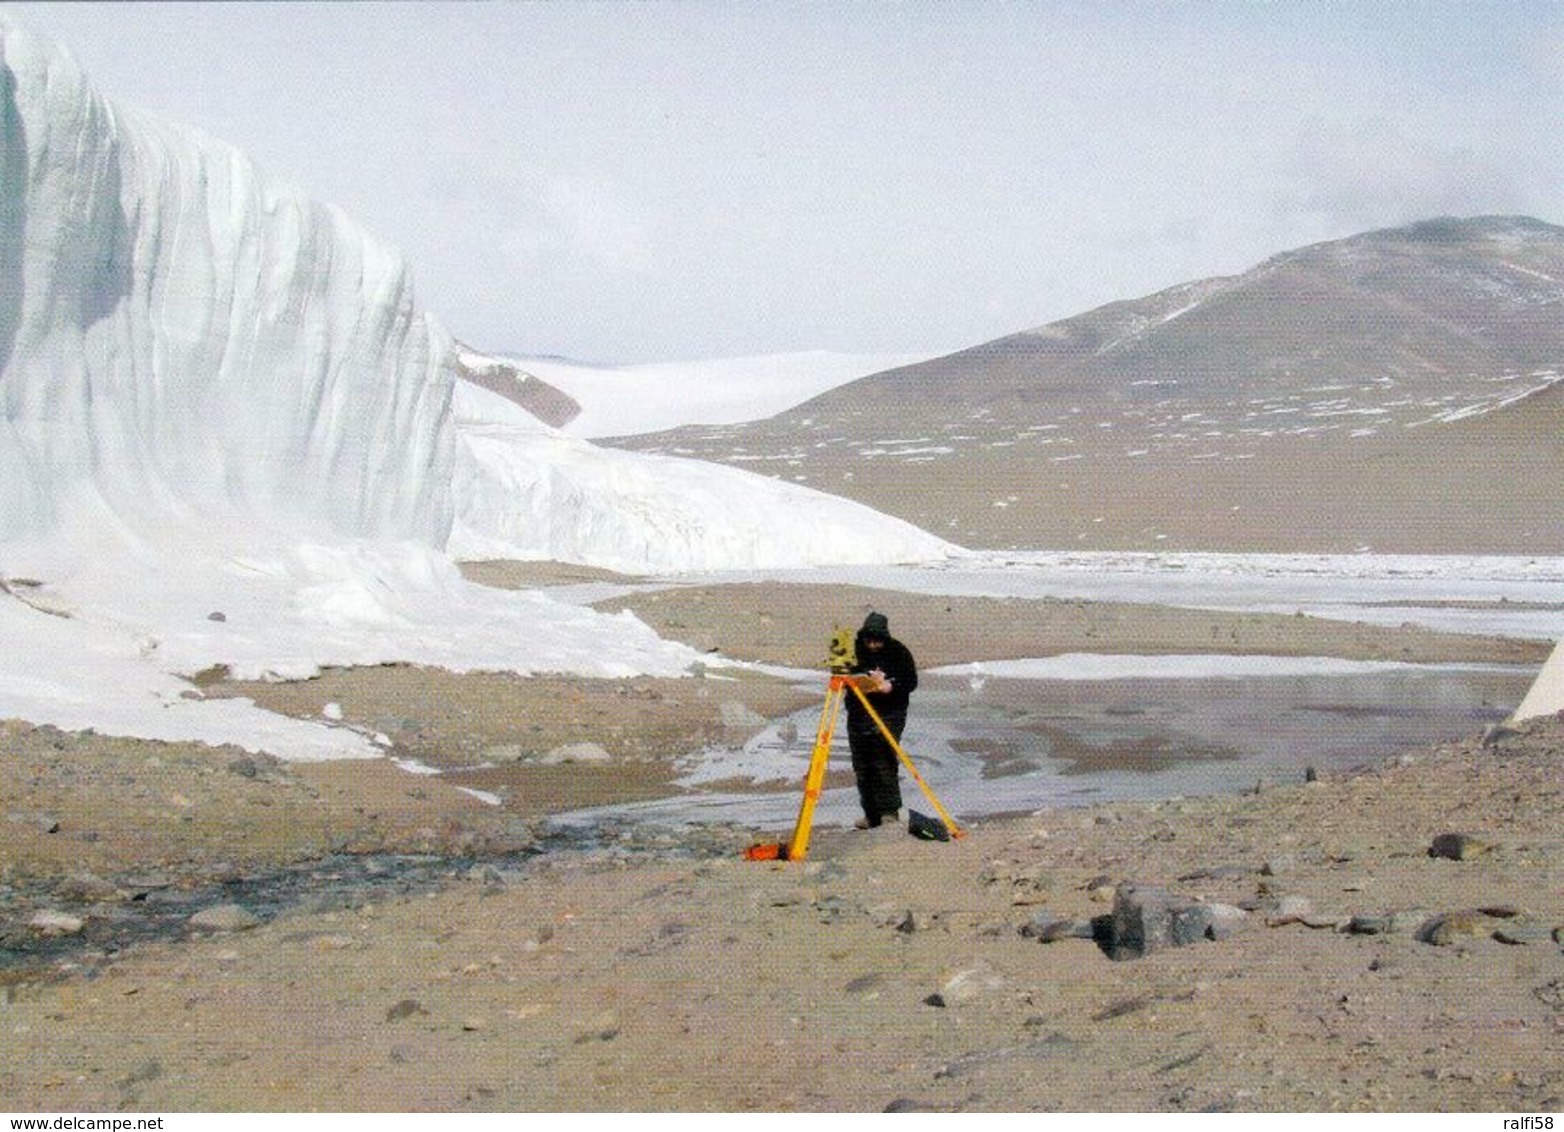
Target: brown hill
1393, 391
551, 405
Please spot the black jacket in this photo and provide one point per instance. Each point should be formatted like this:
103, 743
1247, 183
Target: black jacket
896, 662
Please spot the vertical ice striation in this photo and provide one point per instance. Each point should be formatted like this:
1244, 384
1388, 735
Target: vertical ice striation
181, 335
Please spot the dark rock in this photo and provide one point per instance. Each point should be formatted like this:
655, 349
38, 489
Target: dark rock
907, 1104
1141, 921
1146, 919
405, 1009
1459, 846
1369, 925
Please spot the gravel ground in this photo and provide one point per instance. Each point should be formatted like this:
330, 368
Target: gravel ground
649, 970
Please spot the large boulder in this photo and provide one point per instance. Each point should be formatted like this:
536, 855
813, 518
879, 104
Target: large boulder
1147, 919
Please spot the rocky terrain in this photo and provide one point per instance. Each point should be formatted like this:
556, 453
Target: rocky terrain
1357, 965
189, 928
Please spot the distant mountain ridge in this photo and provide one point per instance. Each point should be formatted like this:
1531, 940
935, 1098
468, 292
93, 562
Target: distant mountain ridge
1244, 412
1482, 296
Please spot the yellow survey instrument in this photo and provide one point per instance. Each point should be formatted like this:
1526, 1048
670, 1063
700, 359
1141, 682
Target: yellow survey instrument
843, 652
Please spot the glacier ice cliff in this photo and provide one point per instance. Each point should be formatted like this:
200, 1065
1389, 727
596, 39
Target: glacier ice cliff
180, 334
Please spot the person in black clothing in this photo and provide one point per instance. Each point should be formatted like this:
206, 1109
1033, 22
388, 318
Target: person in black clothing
875, 765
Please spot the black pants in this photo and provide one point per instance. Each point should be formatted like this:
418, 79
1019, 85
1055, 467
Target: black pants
875, 764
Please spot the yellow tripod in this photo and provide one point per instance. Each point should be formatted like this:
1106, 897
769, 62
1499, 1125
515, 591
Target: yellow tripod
836, 692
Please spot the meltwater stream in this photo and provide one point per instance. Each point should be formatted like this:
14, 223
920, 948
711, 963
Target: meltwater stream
990, 745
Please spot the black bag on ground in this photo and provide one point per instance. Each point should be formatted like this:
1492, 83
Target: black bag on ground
926, 828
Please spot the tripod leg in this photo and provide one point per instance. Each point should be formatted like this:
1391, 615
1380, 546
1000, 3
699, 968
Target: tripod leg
815, 779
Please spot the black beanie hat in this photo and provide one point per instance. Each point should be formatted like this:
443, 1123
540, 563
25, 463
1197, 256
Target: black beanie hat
876, 625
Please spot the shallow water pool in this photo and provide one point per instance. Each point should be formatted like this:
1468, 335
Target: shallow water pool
991, 746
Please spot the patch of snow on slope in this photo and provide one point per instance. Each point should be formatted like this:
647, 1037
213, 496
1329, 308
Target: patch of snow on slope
1484, 406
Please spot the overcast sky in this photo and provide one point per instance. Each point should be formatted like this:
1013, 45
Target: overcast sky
653, 181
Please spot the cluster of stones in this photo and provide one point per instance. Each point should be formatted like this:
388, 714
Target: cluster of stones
1149, 918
